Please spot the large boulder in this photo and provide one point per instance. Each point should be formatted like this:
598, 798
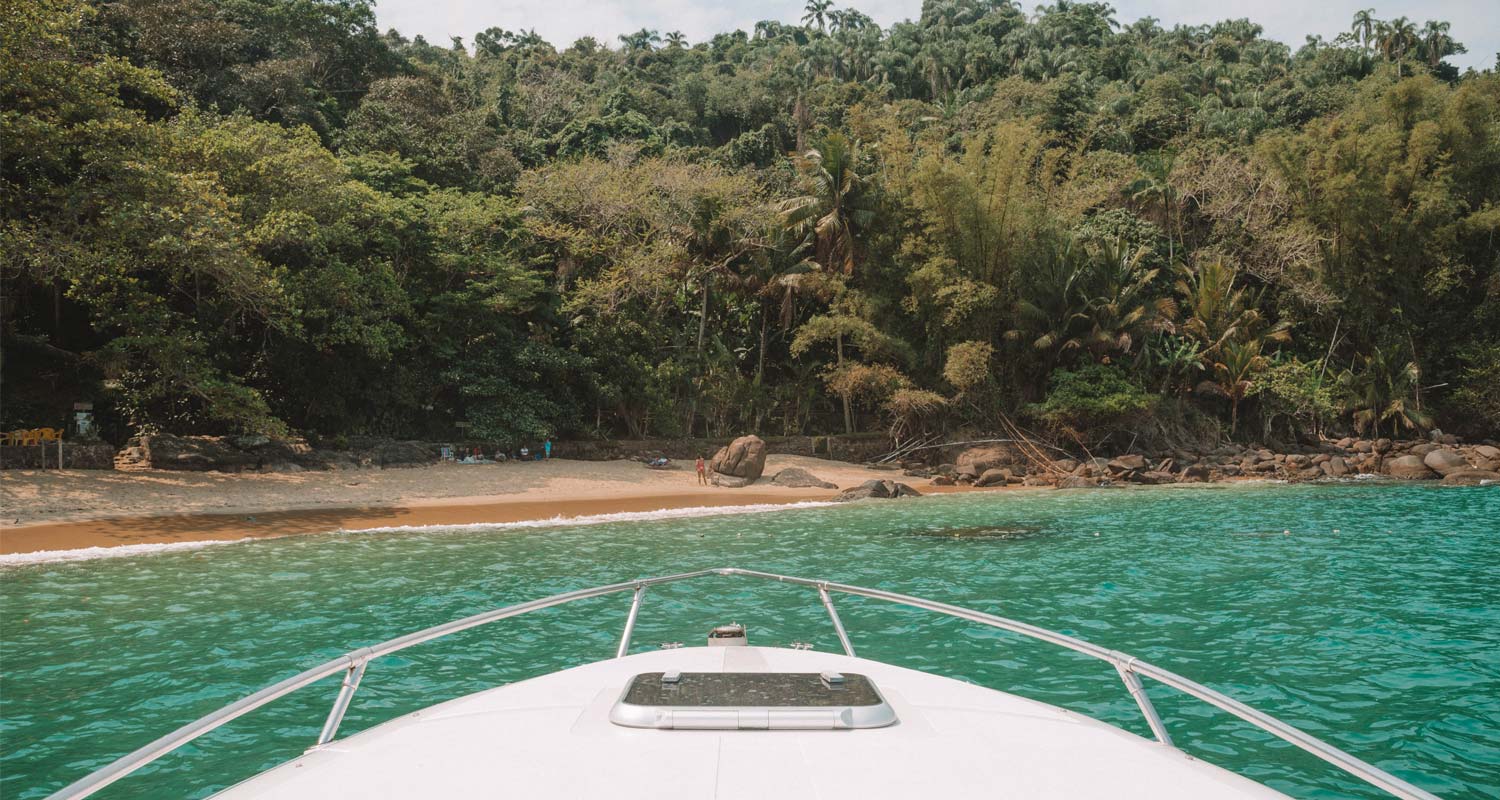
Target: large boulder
744, 457
1487, 452
1195, 473
994, 477
1409, 468
729, 481
799, 478
987, 457
1127, 463
1471, 477
1077, 482
1444, 461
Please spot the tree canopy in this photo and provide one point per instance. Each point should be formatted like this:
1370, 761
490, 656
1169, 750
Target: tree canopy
266, 216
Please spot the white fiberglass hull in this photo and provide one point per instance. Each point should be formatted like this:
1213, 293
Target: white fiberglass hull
551, 737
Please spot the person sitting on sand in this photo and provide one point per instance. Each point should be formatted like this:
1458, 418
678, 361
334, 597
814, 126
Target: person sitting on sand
702, 471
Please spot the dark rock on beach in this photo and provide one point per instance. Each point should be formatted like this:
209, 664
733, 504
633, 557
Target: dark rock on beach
799, 478
877, 489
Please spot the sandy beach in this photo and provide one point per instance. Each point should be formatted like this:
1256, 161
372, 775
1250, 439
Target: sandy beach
47, 510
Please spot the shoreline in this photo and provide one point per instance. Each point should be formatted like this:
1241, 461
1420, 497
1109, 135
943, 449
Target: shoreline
58, 511
50, 537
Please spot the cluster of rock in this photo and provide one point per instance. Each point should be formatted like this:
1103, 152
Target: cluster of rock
264, 454
1440, 457
877, 489
742, 462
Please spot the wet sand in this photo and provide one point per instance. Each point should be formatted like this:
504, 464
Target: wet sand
50, 510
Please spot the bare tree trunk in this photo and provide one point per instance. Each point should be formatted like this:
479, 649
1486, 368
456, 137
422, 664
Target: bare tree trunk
698, 360
848, 417
760, 374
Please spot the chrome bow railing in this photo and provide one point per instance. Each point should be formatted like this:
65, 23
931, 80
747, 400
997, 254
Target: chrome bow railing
352, 665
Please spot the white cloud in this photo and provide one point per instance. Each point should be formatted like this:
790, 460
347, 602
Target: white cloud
563, 21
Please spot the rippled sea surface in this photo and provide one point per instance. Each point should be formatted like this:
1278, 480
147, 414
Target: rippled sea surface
1367, 615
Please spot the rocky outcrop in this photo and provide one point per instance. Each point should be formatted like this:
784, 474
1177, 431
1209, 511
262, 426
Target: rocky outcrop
743, 459
195, 454
1408, 468
1444, 461
1077, 482
799, 478
876, 489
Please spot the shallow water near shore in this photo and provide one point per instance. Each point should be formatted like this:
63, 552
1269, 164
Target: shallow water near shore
1364, 614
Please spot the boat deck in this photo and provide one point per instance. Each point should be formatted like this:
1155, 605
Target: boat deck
551, 737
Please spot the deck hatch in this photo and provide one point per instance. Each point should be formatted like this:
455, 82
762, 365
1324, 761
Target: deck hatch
751, 689
751, 700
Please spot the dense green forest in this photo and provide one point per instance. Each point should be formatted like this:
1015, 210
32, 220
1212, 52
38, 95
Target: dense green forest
266, 216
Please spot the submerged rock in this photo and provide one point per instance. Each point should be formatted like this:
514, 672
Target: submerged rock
1471, 477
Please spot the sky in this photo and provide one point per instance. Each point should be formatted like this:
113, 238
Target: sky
1476, 23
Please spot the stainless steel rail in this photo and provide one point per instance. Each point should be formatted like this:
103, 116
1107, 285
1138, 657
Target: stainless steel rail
354, 662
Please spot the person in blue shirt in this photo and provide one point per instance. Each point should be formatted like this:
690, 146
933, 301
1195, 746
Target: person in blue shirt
547, 446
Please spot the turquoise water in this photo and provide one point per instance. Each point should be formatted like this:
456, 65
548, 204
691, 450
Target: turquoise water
1372, 623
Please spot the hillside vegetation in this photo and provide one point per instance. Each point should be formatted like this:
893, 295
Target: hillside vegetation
265, 216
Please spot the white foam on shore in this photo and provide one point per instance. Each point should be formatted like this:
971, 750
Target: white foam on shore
601, 519
118, 551
129, 550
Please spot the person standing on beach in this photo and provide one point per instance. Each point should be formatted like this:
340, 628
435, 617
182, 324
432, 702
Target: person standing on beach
547, 447
702, 471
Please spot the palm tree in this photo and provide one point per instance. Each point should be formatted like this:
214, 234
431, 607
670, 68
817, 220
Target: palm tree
1364, 26
1383, 389
676, 40
1052, 312
1217, 314
835, 203
1234, 367
1119, 309
1155, 184
817, 11
643, 39
1437, 43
